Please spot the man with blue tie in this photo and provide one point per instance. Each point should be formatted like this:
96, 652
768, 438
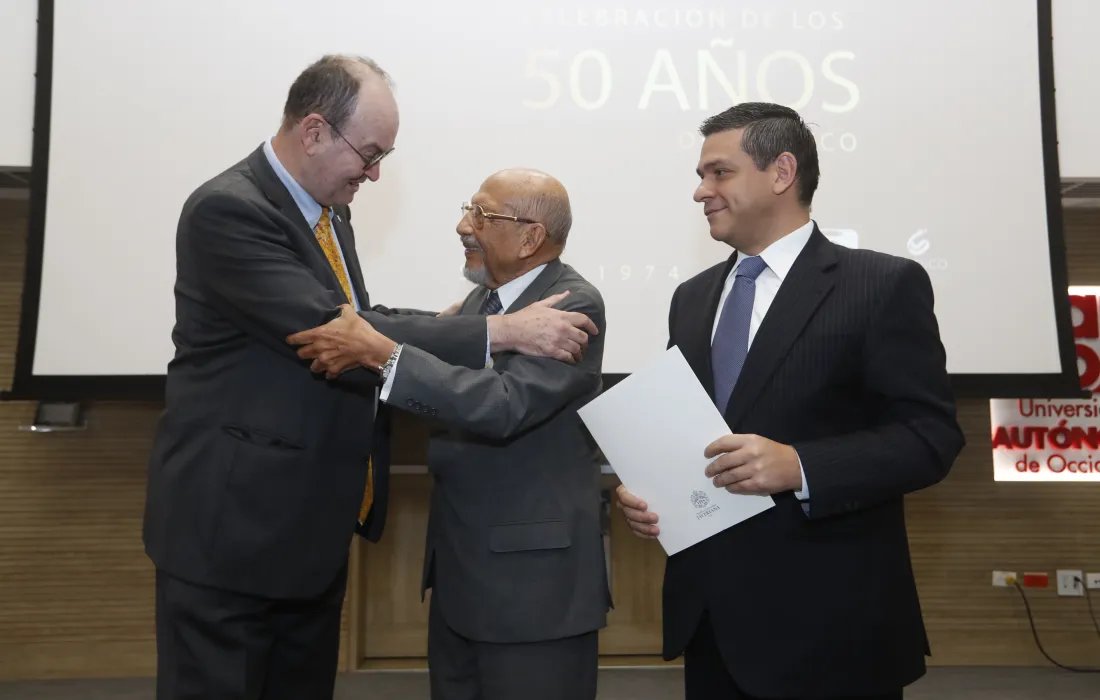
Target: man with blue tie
827, 365
261, 471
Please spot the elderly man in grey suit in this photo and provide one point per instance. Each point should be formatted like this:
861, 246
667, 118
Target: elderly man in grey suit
514, 554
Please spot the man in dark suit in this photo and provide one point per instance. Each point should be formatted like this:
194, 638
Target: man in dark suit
828, 367
514, 553
260, 470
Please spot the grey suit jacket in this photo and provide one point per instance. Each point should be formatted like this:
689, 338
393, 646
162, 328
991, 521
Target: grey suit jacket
514, 551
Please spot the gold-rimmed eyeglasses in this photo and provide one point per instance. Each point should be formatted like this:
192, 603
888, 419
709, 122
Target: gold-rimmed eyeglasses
478, 215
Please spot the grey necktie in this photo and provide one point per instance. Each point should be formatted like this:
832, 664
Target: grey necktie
492, 305
731, 340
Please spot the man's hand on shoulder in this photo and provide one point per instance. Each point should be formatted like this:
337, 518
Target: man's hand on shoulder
543, 331
750, 464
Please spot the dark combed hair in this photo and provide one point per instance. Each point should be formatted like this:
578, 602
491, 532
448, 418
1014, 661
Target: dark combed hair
329, 87
770, 130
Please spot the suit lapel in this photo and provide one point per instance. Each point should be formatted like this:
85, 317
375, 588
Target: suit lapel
278, 195
474, 301
538, 286
533, 293
696, 345
807, 284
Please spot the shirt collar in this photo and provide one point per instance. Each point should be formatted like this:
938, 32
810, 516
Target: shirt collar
509, 292
780, 255
310, 209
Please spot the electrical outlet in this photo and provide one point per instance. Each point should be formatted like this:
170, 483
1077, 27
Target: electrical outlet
1092, 581
1068, 582
1004, 578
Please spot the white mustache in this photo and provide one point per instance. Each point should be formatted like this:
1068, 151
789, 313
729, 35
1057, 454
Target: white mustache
470, 242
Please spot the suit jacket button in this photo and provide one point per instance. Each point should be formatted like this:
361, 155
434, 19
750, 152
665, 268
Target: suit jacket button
433, 411
410, 402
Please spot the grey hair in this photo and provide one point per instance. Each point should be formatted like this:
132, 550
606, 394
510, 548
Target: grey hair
329, 87
551, 211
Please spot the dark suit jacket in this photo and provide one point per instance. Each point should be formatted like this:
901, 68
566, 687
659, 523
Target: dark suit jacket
258, 466
847, 367
514, 529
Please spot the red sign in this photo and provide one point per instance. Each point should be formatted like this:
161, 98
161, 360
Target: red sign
1055, 439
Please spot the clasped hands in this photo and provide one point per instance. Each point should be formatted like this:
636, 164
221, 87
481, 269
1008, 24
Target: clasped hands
349, 341
745, 464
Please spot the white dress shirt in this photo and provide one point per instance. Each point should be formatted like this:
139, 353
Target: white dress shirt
508, 293
779, 257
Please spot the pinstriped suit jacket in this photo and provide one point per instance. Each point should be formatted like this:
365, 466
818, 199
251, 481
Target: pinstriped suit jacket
848, 368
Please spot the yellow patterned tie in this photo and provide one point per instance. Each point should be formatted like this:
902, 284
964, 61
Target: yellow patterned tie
325, 237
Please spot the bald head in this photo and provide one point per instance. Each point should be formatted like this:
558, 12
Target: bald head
532, 194
500, 248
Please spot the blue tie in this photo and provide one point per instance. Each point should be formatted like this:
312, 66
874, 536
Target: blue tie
492, 305
731, 340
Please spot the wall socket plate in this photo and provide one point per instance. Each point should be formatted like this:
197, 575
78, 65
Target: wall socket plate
1004, 579
1092, 581
1067, 582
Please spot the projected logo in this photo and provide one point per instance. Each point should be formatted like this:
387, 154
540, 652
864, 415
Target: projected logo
1055, 439
842, 236
918, 245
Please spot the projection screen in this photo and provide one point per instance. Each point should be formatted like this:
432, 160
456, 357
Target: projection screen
934, 122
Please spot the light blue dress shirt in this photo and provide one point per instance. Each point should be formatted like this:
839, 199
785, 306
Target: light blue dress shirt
310, 209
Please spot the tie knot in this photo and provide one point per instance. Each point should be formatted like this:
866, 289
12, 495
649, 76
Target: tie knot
492, 304
751, 267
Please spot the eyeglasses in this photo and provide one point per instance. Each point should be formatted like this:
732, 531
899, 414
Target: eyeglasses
368, 163
479, 215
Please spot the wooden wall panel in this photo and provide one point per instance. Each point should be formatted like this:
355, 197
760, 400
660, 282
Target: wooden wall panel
394, 620
637, 569
76, 588
969, 525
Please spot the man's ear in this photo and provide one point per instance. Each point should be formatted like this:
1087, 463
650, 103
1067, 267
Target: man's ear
531, 240
311, 132
786, 172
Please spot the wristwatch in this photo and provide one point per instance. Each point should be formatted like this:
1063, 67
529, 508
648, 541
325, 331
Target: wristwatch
385, 369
